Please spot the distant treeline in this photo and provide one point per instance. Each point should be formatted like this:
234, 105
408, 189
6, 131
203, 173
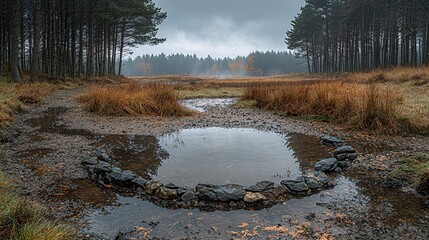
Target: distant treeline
255, 64
73, 38
352, 35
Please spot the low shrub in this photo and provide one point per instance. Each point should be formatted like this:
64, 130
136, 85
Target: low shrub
368, 106
134, 99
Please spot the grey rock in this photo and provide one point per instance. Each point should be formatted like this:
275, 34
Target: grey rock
274, 193
252, 197
152, 186
324, 180
102, 155
90, 161
326, 165
189, 196
261, 186
127, 175
343, 149
343, 164
352, 156
166, 193
116, 174
295, 185
207, 192
230, 192
332, 140
312, 182
171, 186
341, 157
102, 166
140, 182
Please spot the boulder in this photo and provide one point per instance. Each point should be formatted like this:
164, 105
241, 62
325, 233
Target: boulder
346, 156
324, 180
116, 174
152, 186
252, 197
295, 185
166, 193
326, 165
343, 164
261, 186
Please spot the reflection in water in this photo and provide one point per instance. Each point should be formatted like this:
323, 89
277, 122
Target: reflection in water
142, 154
241, 156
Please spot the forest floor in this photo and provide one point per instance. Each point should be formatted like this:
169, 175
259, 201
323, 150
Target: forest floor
46, 143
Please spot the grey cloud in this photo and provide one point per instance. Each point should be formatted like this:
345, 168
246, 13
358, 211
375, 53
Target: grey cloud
223, 27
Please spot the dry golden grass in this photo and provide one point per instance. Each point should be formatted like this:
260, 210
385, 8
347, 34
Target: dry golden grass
373, 107
134, 99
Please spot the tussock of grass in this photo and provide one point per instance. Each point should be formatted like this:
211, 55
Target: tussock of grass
24, 220
372, 107
415, 171
134, 99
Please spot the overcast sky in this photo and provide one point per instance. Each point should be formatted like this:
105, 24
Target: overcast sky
223, 28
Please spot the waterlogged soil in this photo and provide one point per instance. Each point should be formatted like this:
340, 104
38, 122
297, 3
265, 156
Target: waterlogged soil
46, 144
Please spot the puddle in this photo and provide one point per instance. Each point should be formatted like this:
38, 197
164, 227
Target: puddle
203, 104
217, 155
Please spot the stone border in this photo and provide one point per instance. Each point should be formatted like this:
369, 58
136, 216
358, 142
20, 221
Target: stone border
223, 197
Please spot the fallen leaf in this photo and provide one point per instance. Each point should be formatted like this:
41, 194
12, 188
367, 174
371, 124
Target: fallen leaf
280, 229
143, 231
326, 236
243, 225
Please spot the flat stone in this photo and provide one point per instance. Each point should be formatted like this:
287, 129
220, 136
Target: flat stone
102, 166
252, 197
295, 185
152, 185
90, 161
171, 186
326, 165
352, 156
344, 149
261, 186
331, 140
189, 196
166, 193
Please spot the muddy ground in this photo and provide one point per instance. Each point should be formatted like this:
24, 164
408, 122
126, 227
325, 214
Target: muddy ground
44, 148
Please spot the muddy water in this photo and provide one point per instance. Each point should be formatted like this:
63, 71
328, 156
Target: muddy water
356, 207
203, 104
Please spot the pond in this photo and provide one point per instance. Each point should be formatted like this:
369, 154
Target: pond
217, 155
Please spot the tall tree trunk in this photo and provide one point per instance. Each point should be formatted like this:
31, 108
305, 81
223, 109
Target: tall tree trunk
14, 43
35, 55
121, 48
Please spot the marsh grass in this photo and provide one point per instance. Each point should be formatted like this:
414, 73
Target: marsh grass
22, 219
134, 99
373, 107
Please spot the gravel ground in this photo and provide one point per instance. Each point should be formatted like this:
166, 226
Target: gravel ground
46, 162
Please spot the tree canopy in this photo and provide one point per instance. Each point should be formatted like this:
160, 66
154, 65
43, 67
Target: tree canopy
352, 35
73, 38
